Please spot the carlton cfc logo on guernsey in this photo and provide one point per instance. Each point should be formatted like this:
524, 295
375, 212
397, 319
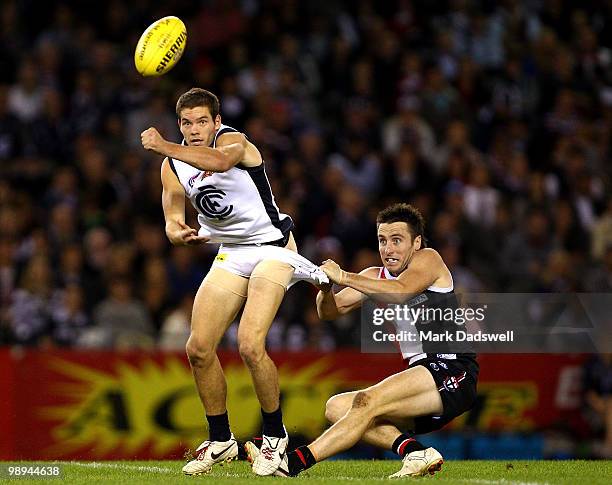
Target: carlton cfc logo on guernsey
208, 203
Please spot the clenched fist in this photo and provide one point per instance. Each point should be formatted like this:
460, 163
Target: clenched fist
333, 271
152, 140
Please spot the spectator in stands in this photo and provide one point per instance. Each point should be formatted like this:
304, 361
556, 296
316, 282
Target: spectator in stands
26, 98
30, 304
122, 320
526, 252
11, 140
68, 316
360, 168
408, 127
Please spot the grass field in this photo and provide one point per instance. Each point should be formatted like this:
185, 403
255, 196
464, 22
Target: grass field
336, 472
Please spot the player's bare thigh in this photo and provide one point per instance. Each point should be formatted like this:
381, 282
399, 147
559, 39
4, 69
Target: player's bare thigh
272, 271
407, 394
226, 280
397, 399
218, 300
267, 286
338, 405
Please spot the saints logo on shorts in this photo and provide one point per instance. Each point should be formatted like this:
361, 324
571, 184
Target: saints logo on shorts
451, 384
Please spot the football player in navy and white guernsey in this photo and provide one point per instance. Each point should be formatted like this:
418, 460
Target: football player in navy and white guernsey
434, 389
223, 176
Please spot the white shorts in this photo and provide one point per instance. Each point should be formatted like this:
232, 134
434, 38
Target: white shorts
242, 259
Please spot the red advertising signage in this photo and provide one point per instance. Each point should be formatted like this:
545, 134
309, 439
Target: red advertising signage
111, 405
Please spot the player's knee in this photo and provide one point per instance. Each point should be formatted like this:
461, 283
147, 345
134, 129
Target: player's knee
251, 352
362, 401
335, 408
198, 353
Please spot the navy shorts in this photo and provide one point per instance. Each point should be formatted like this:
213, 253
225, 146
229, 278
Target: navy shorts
456, 380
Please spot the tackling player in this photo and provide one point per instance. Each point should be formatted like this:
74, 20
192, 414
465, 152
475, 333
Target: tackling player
434, 389
223, 176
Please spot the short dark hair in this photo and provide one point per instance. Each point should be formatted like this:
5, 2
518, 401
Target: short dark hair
198, 97
402, 212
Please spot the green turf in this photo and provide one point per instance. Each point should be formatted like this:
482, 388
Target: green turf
339, 472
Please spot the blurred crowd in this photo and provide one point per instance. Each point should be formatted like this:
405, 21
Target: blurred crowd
492, 117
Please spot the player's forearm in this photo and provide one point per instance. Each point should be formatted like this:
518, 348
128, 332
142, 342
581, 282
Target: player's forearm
386, 291
326, 305
173, 204
218, 159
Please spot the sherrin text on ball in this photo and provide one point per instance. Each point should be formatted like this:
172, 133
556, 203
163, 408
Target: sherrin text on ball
160, 46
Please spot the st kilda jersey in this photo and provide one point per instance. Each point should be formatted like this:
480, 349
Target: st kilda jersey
234, 207
443, 300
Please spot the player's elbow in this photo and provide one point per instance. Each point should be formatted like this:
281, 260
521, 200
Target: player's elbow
229, 159
232, 154
238, 152
242, 141
241, 147
225, 163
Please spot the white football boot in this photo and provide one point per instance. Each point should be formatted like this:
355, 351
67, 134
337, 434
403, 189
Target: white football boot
270, 454
253, 452
210, 453
420, 463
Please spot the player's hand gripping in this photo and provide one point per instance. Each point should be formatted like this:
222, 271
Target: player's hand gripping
153, 141
333, 271
180, 234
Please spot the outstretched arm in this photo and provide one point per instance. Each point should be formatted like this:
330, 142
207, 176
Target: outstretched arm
219, 159
331, 305
173, 202
422, 272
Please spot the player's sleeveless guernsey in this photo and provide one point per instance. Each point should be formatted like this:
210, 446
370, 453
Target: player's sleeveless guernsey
432, 297
234, 207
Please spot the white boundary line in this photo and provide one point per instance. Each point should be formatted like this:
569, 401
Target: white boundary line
158, 469
140, 468
501, 481
441, 479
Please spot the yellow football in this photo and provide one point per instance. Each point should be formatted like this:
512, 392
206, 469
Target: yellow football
160, 46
